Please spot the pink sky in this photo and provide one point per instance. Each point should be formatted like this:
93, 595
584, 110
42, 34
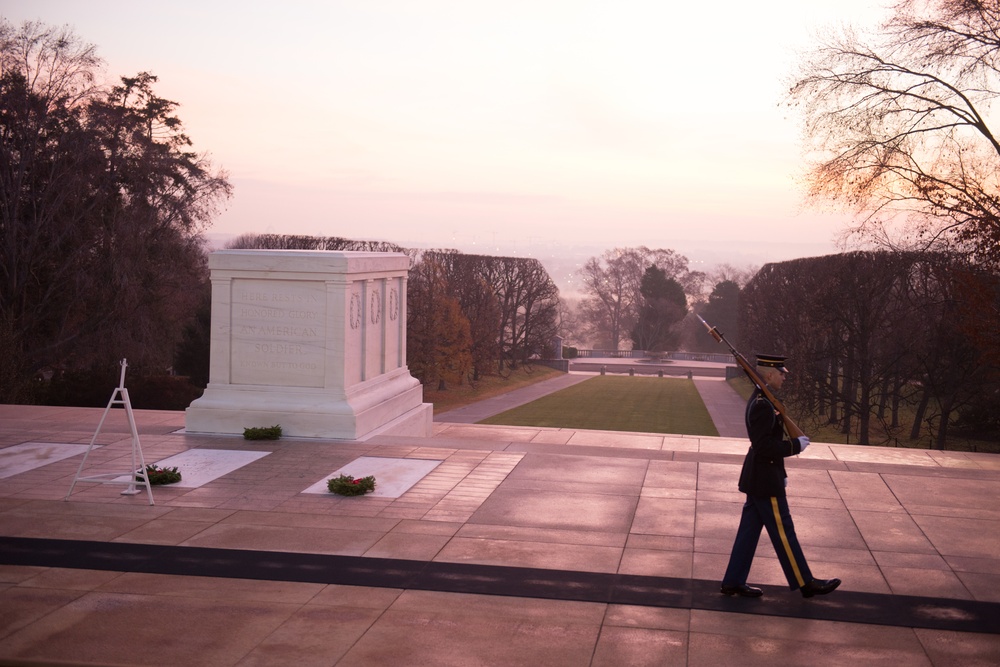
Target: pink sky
482, 126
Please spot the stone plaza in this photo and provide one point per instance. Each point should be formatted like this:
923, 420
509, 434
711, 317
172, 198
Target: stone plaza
516, 546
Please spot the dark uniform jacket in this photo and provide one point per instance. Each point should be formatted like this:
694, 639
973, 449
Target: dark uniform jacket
763, 471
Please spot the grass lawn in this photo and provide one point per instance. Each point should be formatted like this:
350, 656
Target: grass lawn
743, 386
607, 403
458, 395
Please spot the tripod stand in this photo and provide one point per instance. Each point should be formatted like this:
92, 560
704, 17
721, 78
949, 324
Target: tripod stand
119, 397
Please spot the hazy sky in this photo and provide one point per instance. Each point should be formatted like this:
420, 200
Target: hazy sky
476, 125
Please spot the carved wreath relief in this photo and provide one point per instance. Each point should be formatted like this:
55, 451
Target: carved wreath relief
393, 304
355, 310
376, 307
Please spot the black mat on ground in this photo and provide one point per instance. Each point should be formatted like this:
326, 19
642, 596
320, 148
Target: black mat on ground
845, 606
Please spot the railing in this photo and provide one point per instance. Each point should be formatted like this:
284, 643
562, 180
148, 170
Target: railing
610, 354
713, 357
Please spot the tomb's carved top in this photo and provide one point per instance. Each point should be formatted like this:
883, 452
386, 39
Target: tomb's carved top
310, 261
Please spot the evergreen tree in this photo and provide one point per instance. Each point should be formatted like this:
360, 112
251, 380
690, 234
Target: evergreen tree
663, 305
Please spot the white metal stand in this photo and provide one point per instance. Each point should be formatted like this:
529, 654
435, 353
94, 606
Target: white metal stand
119, 397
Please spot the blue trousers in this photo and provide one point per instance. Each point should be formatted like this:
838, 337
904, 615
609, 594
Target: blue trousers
770, 513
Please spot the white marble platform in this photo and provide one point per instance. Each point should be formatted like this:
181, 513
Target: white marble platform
30, 455
393, 477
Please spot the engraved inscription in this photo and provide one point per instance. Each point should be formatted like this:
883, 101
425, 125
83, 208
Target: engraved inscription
278, 332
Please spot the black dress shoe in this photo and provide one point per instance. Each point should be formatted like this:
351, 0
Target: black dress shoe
742, 590
819, 587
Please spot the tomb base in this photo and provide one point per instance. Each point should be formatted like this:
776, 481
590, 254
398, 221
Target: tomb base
390, 406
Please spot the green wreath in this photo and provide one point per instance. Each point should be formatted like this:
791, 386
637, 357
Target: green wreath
348, 485
160, 475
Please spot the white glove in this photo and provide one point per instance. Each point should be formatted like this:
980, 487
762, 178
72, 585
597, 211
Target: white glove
803, 442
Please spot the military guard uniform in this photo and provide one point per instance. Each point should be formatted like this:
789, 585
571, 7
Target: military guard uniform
763, 480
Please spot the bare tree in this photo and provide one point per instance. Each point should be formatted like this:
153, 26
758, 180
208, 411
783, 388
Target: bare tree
899, 124
466, 279
528, 302
438, 339
952, 371
510, 304
612, 287
729, 273
611, 284
870, 331
54, 63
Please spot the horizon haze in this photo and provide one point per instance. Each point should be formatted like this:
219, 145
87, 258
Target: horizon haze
550, 124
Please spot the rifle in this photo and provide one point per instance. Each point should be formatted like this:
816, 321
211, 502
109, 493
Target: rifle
791, 428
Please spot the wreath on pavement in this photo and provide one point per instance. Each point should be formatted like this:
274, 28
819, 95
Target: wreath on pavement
160, 475
348, 485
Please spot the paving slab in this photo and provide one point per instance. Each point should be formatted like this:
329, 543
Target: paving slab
30, 455
201, 466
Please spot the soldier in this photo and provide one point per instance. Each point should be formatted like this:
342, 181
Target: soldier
763, 480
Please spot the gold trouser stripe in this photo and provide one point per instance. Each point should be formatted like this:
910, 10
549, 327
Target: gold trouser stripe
784, 541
